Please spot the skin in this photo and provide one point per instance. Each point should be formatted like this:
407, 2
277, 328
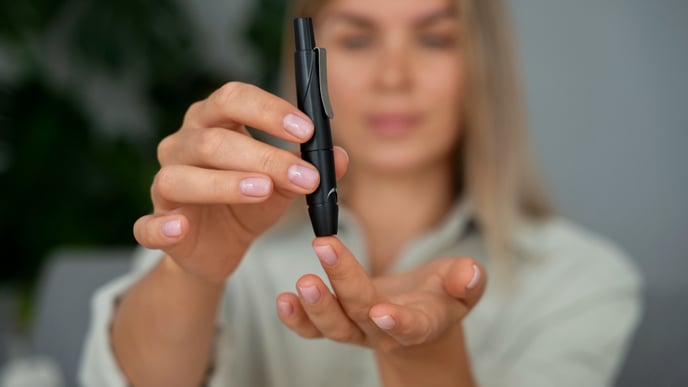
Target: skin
409, 67
400, 125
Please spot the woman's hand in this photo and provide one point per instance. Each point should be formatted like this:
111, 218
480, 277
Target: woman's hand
218, 188
398, 314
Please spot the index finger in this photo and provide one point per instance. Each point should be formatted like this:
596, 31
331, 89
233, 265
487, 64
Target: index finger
351, 283
236, 104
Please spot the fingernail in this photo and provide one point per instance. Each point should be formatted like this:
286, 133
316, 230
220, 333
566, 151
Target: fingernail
284, 308
255, 186
326, 254
385, 322
172, 228
297, 126
302, 176
310, 294
475, 279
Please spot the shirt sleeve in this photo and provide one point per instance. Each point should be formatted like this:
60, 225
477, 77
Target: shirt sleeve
575, 324
98, 366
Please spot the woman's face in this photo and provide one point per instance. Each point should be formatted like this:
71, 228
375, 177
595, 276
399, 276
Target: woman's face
396, 77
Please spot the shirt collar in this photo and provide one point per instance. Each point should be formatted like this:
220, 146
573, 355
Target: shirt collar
454, 226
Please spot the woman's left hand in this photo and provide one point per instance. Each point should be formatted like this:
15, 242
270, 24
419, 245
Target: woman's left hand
390, 314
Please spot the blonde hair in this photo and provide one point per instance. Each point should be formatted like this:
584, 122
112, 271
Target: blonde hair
495, 168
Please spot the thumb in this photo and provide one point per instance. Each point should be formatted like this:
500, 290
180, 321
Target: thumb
465, 279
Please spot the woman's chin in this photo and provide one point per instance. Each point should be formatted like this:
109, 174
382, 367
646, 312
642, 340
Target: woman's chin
395, 164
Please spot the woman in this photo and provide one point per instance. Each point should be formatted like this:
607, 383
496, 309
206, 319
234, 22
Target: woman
427, 107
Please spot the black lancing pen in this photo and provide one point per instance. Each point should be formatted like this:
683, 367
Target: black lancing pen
313, 99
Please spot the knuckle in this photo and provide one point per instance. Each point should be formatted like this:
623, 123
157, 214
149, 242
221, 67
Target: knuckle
340, 276
347, 274
164, 149
191, 112
307, 333
267, 109
138, 229
269, 160
208, 143
359, 314
165, 182
342, 336
357, 311
228, 93
219, 188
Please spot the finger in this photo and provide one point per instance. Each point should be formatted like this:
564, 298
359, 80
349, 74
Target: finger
237, 103
410, 326
193, 185
291, 313
341, 161
354, 289
325, 312
218, 148
465, 279
160, 232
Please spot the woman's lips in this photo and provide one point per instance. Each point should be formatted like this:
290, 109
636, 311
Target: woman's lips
393, 124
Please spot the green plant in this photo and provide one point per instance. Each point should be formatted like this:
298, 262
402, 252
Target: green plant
62, 180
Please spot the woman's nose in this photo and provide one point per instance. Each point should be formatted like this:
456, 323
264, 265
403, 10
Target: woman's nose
394, 69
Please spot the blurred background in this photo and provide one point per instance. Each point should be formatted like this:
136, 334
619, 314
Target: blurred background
87, 89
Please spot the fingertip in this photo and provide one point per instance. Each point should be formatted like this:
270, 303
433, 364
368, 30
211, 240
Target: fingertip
341, 161
286, 297
157, 232
285, 304
475, 279
298, 125
342, 154
330, 240
328, 249
385, 316
395, 321
308, 280
478, 280
466, 280
311, 288
326, 254
172, 228
291, 313
385, 322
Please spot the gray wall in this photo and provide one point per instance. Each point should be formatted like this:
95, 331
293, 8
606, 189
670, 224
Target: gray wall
608, 96
608, 93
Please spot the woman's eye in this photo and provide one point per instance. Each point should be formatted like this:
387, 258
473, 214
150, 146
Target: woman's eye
356, 42
437, 41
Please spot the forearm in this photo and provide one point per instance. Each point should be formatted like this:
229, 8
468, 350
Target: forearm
164, 326
444, 362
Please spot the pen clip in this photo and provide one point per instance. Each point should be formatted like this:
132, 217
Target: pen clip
322, 80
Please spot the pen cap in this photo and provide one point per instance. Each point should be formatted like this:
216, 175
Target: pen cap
303, 34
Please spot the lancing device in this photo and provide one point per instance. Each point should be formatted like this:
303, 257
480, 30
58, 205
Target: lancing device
313, 99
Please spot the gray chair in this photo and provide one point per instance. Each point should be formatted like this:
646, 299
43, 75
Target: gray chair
63, 302
8, 329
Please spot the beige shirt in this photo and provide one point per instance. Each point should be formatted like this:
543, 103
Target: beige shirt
565, 320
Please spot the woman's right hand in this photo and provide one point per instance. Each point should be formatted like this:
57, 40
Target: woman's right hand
218, 188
